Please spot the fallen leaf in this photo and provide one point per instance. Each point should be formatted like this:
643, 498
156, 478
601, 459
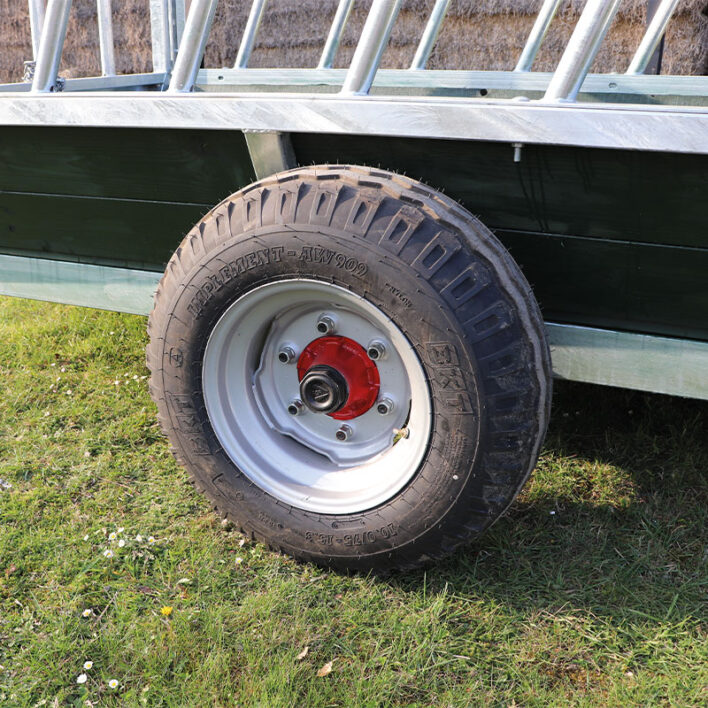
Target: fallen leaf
325, 669
303, 654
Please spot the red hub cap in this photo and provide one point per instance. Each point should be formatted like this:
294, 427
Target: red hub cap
341, 359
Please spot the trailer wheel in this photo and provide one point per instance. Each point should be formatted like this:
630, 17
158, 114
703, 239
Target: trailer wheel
351, 366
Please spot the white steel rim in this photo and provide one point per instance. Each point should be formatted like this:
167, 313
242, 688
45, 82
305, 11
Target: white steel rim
297, 458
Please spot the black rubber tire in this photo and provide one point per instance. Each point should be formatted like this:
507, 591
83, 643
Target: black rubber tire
449, 285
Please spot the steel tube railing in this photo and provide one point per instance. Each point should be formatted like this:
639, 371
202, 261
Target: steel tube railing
373, 40
36, 17
249, 34
191, 50
430, 35
105, 37
50, 45
581, 50
335, 34
536, 36
652, 37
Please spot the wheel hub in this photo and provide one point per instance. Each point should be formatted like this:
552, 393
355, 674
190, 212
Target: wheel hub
337, 378
323, 389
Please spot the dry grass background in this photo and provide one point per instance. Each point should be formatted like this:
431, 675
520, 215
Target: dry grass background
481, 34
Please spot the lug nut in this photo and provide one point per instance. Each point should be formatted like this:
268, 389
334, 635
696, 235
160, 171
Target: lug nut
325, 324
384, 406
286, 355
344, 433
376, 350
295, 407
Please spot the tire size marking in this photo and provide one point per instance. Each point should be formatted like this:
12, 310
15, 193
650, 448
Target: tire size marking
314, 254
352, 539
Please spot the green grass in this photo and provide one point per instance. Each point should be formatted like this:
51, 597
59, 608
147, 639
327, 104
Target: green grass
590, 592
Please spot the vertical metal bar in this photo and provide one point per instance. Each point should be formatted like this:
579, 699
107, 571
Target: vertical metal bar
160, 34
105, 37
335, 34
191, 50
538, 32
581, 50
36, 16
652, 37
175, 15
51, 45
373, 40
430, 35
249, 34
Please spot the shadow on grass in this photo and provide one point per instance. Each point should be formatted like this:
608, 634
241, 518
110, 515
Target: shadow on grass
614, 521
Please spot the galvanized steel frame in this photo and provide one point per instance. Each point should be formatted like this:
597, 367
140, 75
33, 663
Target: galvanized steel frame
655, 128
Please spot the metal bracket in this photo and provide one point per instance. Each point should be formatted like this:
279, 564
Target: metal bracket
270, 152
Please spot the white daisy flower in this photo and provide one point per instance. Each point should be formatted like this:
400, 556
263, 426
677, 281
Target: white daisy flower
81, 678
152, 539
239, 560
139, 538
112, 536
87, 613
121, 543
113, 683
88, 665
108, 553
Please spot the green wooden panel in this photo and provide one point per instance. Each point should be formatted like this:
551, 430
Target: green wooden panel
609, 194
614, 285
105, 231
162, 165
612, 239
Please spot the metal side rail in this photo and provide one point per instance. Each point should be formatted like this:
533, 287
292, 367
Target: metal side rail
593, 125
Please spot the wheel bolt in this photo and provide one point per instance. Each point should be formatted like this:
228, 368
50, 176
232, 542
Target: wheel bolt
325, 324
344, 433
376, 350
286, 355
295, 407
384, 406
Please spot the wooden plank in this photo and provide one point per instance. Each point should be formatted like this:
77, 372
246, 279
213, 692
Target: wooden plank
595, 282
614, 285
129, 233
190, 166
609, 194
